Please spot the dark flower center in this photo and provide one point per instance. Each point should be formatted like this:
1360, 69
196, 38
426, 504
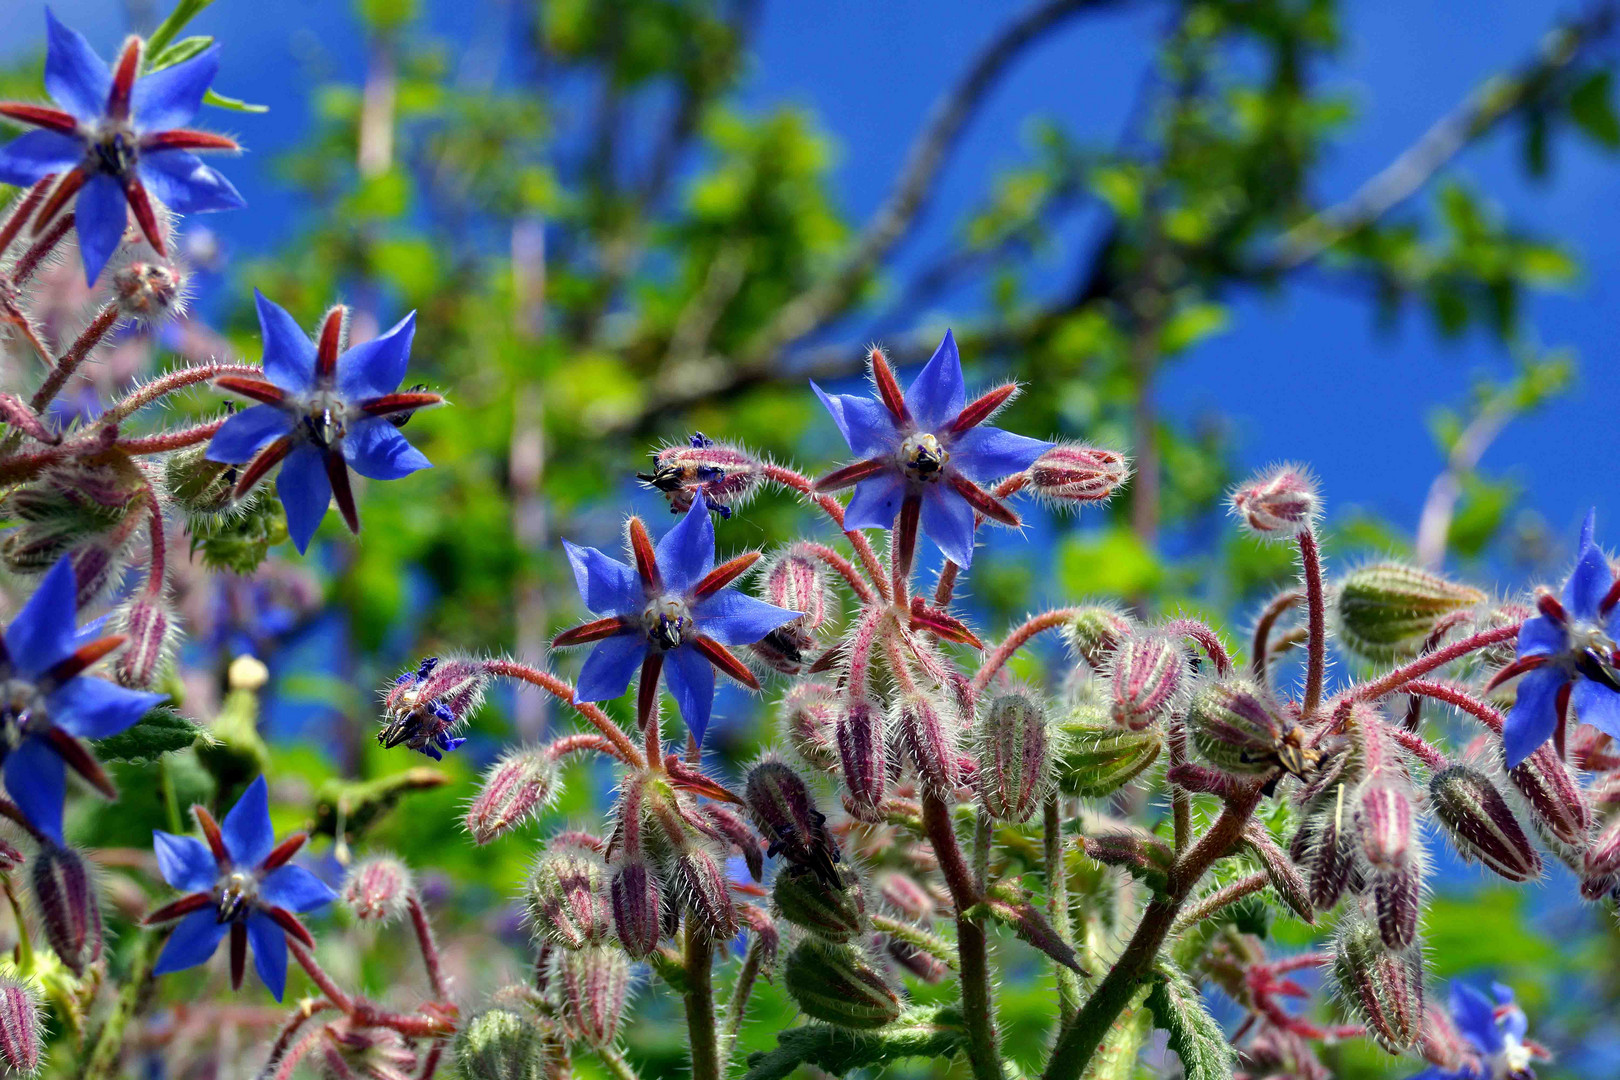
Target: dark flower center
113, 151
22, 707
234, 896
922, 457
667, 621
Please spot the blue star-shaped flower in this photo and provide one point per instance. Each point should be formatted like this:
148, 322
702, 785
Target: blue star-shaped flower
47, 703
115, 140
926, 453
670, 613
323, 410
1495, 1032
1567, 655
242, 881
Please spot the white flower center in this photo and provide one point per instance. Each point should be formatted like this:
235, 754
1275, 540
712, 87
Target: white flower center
1512, 1061
667, 621
922, 457
234, 895
325, 416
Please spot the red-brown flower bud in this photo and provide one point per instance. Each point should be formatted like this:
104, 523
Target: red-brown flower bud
929, 733
516, 788
593, 984
378, 889
568, 898
810, 714
637, 907
1278, 503
1071, 474
68, 907
1145, 678
863, 752
1480, 823
20, 1027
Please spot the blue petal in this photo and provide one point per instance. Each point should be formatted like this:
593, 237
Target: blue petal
296, 889
248, 432
1534, 714
875, 503
305, 492
32, 157
377, 367
35, 782
606, 585
685, 554
1597, 705
185, 185
193, 941
735, 618
100, 214
936, 395
289, 354
1588, 583
375, 449
947, 518
269, 943
1588, 529
984, 454
866, 425
169, 98
76, 78
248, 835
42, 633
610, 666
690, 678
92, 708
185, 862
1541, 636
1515, 1023
1475, 1017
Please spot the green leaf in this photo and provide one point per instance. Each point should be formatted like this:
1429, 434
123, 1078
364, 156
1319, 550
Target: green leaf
159, 732
1111, 563
184, 49
923, 1032
1194, 1035
158, 44
1591, 106
220, 101
354, 806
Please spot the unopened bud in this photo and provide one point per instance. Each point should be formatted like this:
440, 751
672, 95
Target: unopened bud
1146, 674
1280, 872
1236, 725
787, 816
1094, 631
149, 291
637, 907
1389, 610
809, 718
1095, 758
928, 733
795, 580
863, 752
98, 567
1073, 473
1278, 503
700, 886
362, 1050
516, 789
424, 708
1383, 988
1143, 855
1559, 806
593, 984
20, 1027
378, 889
196, 484
1015, 755
149, 629
832, 912
33, 549
1397, 900
568, 898
68, 907
835, 984
1481, 824
906, 894
1384, 820
1326, 852
725, 475
1601, 868
499, 1044
919, 962
1442, 1045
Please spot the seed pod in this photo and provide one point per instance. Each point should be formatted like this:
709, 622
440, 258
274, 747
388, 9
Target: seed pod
1389, 610
831, 912
787, 815
499, 1044
725, 475
1278, 503
809, 717
1236, 726
1094, 758
1383, 989
835, 984
68, 907
636, 907
1480, 823
148, 625
593, 984
701, 887
1559, 806
516, 789
863, 754
1384, 821
919, 962
20, 1027
1094, 631
928, 733
196, 484
1015, 755
1145, 677
568, 898
378, 889
1071, 474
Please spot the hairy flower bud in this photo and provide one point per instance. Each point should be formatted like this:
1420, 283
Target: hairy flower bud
700, 886
149, 291
906, 895
148, 625
920, 963
1015, 755
1237, 727
568, 898
1481, 824
834, 912
1384, 821
795, 580
835, 984
378, 889
68, 907
787, 815
1094, 758
928, 732
1325, 850
1094, 631
863, 752
516, 789
1559, 806
1601, 868
1388, 611
1383, 988
725, 475
500, 1044
196, 484
1442, 1045
810, 714
593, 984
637, 907
1145, 677
1280, 871
364, 1050
1397, 900
424, 708
1277, 503
20, 1027
1070, 474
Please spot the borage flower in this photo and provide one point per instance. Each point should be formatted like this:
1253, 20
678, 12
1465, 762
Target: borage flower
1494, 1033
116, 140
47, 703
1567, 655
671, 613
926, 453
323, 410
240, 881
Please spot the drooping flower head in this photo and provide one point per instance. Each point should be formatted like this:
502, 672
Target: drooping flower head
926, 453
242, 882
48, 703
322, 411
1495, 1036
117, 139
670, 613
1568, 656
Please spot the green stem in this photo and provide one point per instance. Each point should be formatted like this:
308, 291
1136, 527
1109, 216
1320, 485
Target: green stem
700, 1026
109, 1045
737, 1009
617, 1066
972, 950
1057, 907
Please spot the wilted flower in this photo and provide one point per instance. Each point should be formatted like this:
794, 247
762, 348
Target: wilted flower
1277, 503
426, 706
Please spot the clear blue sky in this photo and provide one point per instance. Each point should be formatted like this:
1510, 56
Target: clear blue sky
1303, 375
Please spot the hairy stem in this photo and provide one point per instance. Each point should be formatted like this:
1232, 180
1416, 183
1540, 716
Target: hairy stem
1057, 905
972, 949
1017, 640
1310, 561
88, 339
700, 1026
430, 949
737, 1007
563, 692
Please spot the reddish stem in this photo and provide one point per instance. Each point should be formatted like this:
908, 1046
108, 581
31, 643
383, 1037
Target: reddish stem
30, 260
1420, 667
562, 691
835, 510
1310, 561
166, 384
1016, 640
430, 950
165, 441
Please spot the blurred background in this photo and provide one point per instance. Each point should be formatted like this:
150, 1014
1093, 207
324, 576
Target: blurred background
1376, 238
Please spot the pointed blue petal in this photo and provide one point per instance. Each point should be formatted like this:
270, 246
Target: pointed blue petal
1597, 705
984, 454
1515, 1023
376, 449
100, 214
875, 503
610, 666
866, 425
248, 835
42, 633
248, 432
289, 354
937, 394
947, 519
1534, 714
685, 554
305, 493
690, 678
35, 782
1588, 529
32, 157
296, 889
606, 585
1588, 583
377, 367
269, 943
1541, 636
183, 183
735, 618
1475, 1017
193, 941
185, 862
92, 708
169, 98
76, 78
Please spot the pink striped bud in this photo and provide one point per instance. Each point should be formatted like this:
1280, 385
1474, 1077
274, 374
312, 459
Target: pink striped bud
1014, 754
928, 733
1327, 855
1094, 631
568, 898
1559, 807
1397, 899
727, 476
516, 789
920, 963
1280, 871
701, 887
20, 1027
378, 889
787, 816
1236, 725
1480, 823
1601, 870
98, 567
1073, 473
906, 895
794, 580
1383, 988
148, 626
362, 1050
1145, 678
863, 752
594, 985
637, 907
1278, 503
809, 718
1384, 820
1443, 1046
68, 907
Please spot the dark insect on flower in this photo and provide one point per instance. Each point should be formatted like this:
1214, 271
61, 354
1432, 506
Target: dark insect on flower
786, 813
724, 475
424, 707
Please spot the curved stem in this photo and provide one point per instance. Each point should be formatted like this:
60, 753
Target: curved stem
88, 339
845, 569
171, 440
1230, 893
1259, 652
562, 691
737, 1008
835, 510
1017, 639
430, 949
1206, 639
163, 385
1420, 667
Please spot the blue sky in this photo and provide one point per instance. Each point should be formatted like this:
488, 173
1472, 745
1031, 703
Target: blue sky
1302, 375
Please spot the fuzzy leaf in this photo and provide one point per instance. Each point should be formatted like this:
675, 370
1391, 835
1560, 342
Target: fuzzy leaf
1194, 1035
1116, 1055
159, 732
361, 804
922, 1032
